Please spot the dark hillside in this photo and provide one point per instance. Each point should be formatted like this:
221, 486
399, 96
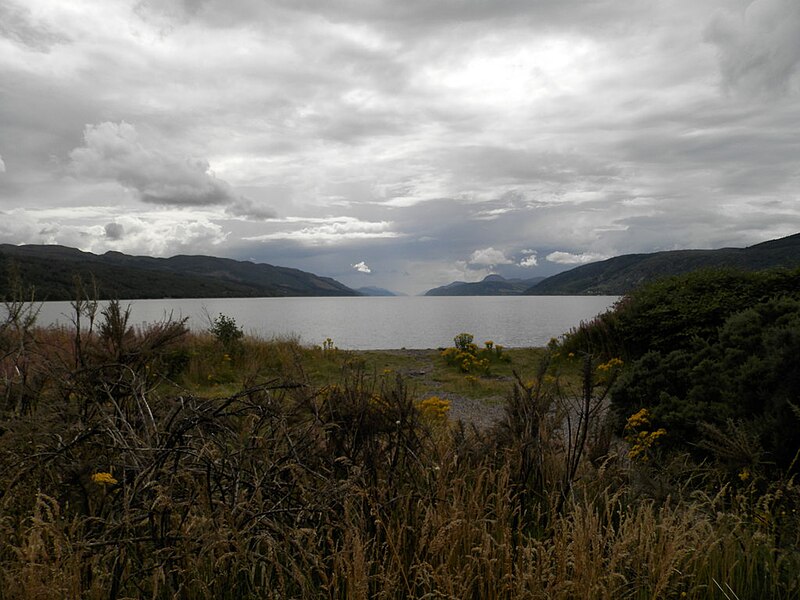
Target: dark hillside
621, 274
492, 285
52, 269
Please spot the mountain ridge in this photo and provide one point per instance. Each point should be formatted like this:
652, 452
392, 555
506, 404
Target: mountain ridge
374, 290
621, 274
491, 285
51, 269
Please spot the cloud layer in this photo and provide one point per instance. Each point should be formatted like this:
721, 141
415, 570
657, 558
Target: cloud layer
113, 151
432, 141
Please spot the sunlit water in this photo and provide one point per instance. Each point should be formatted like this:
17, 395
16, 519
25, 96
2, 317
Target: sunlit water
371, 323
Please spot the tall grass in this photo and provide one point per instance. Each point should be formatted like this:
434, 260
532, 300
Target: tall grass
135, 475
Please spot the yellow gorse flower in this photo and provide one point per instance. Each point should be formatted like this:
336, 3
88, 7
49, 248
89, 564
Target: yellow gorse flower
434, 408
638, 419
641, 441
614, 363
104, 478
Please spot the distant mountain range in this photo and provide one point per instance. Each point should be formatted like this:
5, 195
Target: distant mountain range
372, 290
51, 270
621, 274
491, 285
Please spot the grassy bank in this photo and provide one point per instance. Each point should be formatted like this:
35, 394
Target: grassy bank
158, 463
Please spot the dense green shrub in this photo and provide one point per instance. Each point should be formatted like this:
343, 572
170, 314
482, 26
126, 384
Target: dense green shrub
747, 373
707, 349
673, 313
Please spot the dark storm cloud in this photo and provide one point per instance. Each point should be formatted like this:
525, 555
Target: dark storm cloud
114, 231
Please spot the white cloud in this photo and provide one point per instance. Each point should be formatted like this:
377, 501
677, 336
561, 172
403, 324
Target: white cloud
330, 231
2, 165
567, 258
529, 261
362, 267
489, 256
160, 236
155, 233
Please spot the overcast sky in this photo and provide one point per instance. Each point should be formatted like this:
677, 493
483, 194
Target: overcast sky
399, 143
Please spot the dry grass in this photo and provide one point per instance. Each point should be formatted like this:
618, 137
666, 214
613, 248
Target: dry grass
303, 473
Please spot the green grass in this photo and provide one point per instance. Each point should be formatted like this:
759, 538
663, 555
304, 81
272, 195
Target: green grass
425, 371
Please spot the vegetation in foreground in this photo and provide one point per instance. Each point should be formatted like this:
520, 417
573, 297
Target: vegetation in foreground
157, 463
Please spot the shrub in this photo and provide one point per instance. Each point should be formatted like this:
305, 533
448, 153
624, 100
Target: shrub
468, 358
673, 313
434, 409
225, 330
746, 372
463, 342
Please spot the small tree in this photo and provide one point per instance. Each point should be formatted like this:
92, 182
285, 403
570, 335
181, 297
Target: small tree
226, 331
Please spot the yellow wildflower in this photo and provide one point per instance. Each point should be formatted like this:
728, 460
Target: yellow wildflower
614, 363
638, 419
641, 441
104, 478
434, 408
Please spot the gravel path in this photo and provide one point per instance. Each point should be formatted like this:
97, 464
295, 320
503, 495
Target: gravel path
472, 411
481, 412
422, 373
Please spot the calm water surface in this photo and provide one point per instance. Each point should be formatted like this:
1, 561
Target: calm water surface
371, 323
